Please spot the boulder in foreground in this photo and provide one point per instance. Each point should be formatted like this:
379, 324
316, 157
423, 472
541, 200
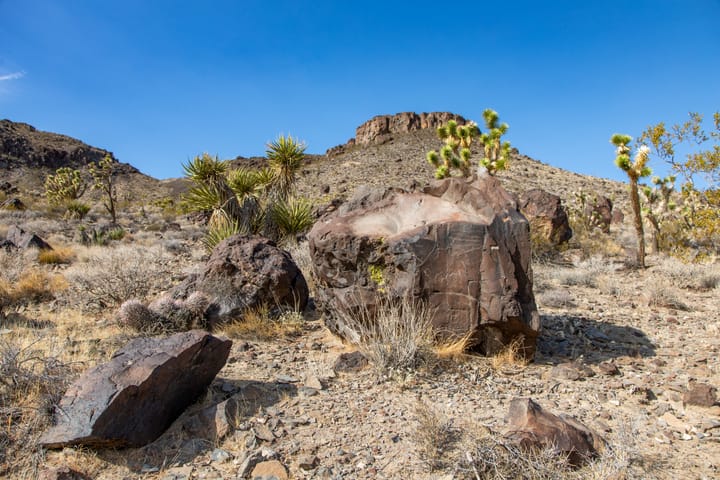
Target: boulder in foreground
131, 400
461, 246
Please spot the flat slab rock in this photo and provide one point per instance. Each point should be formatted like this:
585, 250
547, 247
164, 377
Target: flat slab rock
133, 398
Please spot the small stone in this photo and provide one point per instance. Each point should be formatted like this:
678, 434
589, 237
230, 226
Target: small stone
673, 422
286, 379
700, 394
61, 473
307, 462
608, 368
262, 432
313, 382
307, 391
220, 456
269, 470
350, 362
178, 473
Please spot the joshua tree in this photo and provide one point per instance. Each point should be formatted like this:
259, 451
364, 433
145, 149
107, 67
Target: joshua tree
635, 170
65, 187
658, 206
497, 153
456, 152
102, 173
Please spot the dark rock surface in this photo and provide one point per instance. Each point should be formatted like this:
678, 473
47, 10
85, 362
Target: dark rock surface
246, 272
547, 216
461, 246
533, 427
22, 239
133, 398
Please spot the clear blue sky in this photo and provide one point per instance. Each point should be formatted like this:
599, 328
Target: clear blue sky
158, 82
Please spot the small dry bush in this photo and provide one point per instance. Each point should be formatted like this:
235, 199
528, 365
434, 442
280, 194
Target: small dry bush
585, 273
435, 437
259, 324
106, 277
31, 384
689, 275
661, 293
454, 349
32, 286
556, 299
57, 256
396, 335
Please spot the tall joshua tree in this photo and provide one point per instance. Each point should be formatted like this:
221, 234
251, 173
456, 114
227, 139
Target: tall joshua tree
497, 152
635, 170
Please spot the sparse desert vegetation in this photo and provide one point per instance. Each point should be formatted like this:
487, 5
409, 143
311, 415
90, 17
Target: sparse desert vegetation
620, 349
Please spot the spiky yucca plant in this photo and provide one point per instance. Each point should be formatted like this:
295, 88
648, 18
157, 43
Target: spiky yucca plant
285, 156
292, 216
220, 227
497, 152
455, 154
635, 170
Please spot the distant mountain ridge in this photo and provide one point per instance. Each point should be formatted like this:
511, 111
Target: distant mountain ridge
22, 145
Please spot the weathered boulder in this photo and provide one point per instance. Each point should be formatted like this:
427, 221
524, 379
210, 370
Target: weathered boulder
532, 427
13, 203
547, 216
22, 239
246, 272
133, 398
461, 246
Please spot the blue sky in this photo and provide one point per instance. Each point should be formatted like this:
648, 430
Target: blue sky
158, 82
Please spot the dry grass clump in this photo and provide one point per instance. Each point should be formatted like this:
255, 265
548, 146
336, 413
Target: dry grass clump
31, 286
689, 275
511, 358
556, 299
57, 256
106, 277
259, 324
396, 335
585, 273
435, 437
661, 293
453, 349
30, 385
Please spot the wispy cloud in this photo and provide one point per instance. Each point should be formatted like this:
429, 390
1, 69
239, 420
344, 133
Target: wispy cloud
12, 76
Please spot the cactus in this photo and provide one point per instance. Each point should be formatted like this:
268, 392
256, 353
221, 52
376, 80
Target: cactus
497, 153
455, 154
635, 170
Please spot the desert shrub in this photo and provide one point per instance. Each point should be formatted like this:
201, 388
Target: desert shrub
57, 256
435, 435
107, 277
32, 286
396, 335
77, 210
31, 384
661, 293
694, 276
556, 299
585, 273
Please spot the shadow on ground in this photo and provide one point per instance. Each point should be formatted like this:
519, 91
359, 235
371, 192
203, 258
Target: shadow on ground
566, 337
200, 428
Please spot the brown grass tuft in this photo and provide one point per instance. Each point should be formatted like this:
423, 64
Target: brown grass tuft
257, 324
510, 359
57, 256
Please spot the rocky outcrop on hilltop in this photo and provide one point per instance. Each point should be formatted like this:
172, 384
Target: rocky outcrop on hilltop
380, 128
22, 145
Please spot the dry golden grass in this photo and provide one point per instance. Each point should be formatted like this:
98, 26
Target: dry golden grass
454, 349
57, 256
510, 358
33, 285
257, 324
434, 437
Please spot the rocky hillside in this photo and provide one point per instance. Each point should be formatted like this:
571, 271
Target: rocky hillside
28, 155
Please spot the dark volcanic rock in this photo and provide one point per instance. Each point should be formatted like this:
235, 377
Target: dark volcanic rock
461, 246
547, 216
246, 272
599, 210
133, 398
533, 427
22, 239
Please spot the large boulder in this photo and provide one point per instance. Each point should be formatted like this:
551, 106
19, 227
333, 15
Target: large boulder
460, 245
532, 427
246, 272
133, 398
547, 216
22, 239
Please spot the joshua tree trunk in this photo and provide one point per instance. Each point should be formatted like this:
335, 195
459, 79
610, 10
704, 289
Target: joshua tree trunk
635, 199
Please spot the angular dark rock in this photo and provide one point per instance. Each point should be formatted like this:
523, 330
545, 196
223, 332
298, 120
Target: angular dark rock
599, 210
22, 239
350, 362
700, 394
246, 272
461, 246
133, 398
547, 216
532, 427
